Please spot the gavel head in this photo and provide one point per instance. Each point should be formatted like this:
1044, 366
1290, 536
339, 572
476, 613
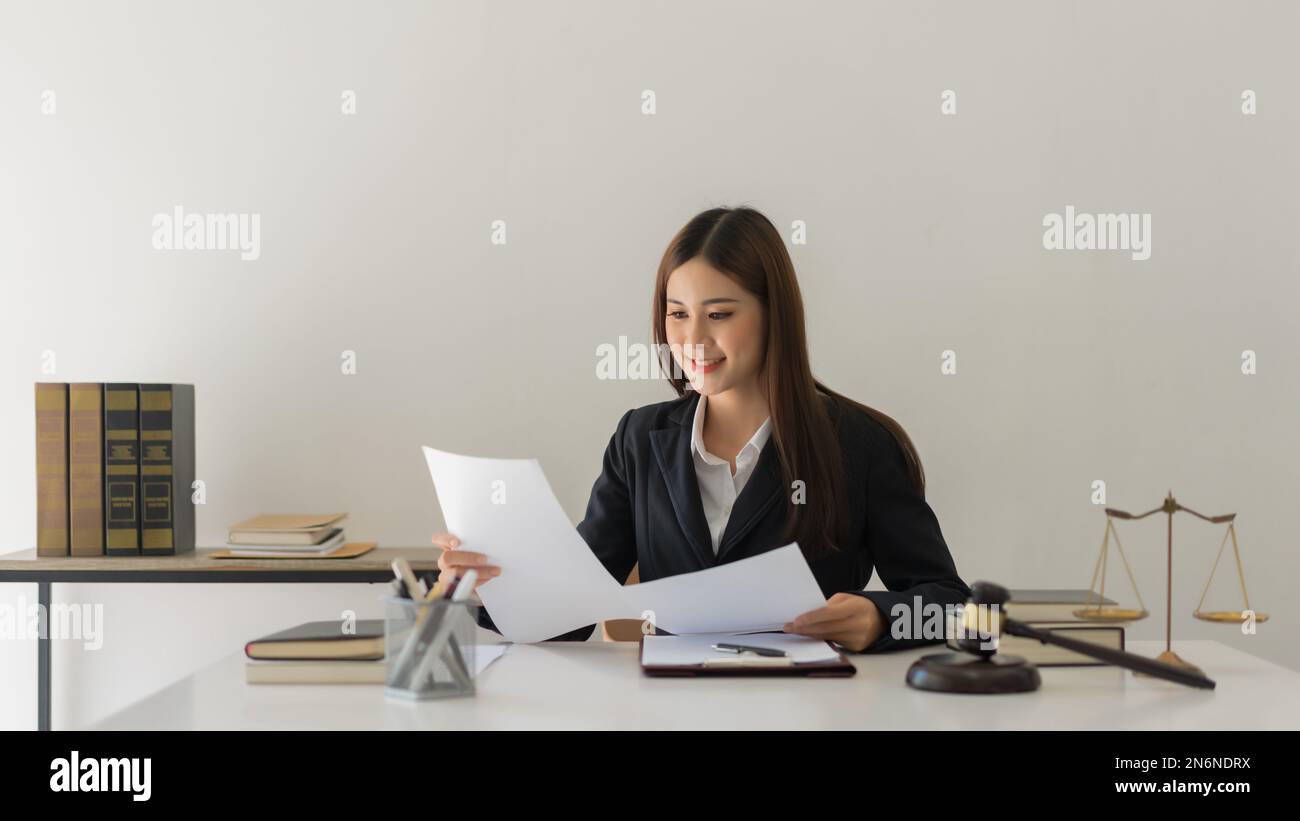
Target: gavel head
980, 622
989, 593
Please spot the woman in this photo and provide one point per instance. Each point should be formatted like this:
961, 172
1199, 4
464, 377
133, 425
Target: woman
757, 454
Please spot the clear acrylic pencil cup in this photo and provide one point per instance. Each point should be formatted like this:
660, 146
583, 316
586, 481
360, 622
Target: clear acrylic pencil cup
428, 648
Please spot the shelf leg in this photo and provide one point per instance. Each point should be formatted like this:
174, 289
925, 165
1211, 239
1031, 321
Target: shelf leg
43, 662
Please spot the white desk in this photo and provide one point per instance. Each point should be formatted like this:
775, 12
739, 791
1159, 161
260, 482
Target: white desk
596, 685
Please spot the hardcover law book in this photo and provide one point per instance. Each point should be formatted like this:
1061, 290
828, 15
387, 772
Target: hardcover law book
1049, 655
166, 469
51, 469
1032, 606
86, 469
122, 469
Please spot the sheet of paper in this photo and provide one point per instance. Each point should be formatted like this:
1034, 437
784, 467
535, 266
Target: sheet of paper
485, 654
552, 583
694, 649
759, 593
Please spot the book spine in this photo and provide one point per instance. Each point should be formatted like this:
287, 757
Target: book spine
166, 469
86, 469
1030, 649
183, 470
51, 469
121, 470
156, 496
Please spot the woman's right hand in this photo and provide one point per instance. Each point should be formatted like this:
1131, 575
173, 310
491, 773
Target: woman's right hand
456, 562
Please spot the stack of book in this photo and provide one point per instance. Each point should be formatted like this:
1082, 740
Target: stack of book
1054, 611
114, 469
318, 652
287, 534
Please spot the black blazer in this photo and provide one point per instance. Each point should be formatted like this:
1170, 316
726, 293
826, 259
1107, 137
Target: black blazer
645, 508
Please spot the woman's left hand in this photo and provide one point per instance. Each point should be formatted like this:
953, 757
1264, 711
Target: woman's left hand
852, 621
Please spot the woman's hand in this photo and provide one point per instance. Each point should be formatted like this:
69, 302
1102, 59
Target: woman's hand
455, 562
852, 621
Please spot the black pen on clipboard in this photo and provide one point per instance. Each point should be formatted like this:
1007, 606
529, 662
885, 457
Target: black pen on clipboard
727, 647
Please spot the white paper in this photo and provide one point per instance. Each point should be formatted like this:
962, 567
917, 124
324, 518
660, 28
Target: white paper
485, 654
679, 650
762, 592
552, 583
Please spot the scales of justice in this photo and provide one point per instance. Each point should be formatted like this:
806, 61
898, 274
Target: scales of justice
1170, 506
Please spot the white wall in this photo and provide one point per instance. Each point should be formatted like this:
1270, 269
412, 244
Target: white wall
924, 234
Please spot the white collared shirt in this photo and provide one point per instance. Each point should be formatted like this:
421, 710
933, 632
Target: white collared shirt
718, 487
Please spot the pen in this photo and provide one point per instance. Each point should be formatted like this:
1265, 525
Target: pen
457, 662
436, 591
402, 569
450, 591
409, 588
427, 581
724, 647
464, 586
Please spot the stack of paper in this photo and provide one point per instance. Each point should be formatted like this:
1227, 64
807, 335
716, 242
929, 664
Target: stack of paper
675, 651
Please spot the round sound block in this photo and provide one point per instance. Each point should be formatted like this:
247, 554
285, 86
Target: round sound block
965, 673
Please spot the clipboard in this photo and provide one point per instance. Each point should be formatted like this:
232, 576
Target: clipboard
840, 667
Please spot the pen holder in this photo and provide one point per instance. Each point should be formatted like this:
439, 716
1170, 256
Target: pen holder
428, 648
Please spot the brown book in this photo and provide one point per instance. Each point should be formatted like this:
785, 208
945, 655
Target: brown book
86, 469
166, 469
51, 469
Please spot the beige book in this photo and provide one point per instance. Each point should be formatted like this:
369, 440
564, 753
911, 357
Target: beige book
1051, 655
290, 521
314, 672
285, 528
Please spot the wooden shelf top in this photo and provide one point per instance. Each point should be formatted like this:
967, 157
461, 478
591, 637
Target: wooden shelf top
200, 566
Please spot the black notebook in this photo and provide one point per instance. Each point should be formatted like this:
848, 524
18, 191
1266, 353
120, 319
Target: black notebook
322, 640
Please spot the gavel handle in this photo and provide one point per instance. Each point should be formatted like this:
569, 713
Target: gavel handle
1119, 658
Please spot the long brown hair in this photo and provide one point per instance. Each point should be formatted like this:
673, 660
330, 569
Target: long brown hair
744, 245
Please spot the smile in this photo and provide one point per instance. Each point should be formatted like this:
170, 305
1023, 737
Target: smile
707, 365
